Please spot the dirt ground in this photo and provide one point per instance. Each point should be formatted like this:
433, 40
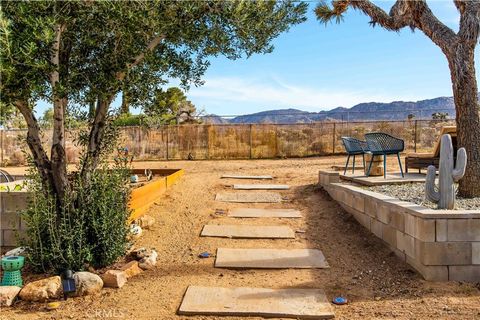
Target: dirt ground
377, 284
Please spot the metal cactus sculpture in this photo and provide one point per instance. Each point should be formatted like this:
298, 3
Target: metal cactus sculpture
447, 175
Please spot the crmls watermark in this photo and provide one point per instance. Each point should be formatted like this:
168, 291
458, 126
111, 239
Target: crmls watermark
105, 313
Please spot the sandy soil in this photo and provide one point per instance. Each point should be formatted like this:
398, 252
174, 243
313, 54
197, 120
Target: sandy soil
377, 284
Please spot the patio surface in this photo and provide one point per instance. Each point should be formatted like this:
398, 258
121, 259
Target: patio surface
392, 178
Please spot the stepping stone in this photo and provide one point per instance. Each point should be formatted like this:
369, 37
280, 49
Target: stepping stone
249, 197
226, 176
270, 258
256, 302
260, 187
264, 213
244, 231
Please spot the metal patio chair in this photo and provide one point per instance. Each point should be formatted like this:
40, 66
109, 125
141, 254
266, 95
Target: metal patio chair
354, 147
5, 176
383, 144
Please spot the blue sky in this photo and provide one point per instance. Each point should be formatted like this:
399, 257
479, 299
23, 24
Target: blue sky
316, 67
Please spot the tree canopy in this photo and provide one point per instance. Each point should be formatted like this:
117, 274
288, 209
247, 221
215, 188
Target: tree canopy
82, 54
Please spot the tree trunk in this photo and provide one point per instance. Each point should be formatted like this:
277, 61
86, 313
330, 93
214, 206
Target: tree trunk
124, 109
58, 156
465, 93
40, 158
95, 139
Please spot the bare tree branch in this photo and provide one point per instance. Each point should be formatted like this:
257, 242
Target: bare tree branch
413, 13
150, 47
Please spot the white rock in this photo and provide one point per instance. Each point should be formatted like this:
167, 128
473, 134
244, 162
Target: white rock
87, 283
42, 290
8, 295
15, 252
135, 230
149, 261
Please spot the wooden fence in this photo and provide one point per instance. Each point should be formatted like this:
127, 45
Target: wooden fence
238, 141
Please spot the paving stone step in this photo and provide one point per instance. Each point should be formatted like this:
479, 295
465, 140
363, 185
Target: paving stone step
248, 231
270, 258
256, 302
264, 213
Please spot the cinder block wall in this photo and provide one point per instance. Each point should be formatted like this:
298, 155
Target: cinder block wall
11, 224
441, 245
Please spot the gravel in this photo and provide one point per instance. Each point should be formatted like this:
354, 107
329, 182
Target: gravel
415, 192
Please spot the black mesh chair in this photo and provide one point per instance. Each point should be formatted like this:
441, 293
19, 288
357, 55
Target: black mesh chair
354, 147
380, 143
5, 176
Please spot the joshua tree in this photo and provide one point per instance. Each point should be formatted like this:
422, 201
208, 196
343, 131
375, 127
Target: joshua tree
459, 49
440, 116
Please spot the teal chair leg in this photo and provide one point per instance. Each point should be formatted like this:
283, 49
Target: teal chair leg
353, 169
384, 166
363, 157
346, 165
400, 164
370, 166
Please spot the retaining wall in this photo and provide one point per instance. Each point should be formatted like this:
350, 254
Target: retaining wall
441, 245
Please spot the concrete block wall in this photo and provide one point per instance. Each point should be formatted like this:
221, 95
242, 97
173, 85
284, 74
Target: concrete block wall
11, 224
441, 245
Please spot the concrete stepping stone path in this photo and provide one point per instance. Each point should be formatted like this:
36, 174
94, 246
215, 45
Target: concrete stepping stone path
256, 302
264, 213
270, 258
261, 187
226, 176
246, 231
249, 197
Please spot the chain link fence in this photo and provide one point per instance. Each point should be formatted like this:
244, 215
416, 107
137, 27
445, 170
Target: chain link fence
238, 141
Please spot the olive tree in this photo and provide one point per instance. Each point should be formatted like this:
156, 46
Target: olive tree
83, 53
458, 48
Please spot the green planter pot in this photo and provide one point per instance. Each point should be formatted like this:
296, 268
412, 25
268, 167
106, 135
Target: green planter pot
11, 267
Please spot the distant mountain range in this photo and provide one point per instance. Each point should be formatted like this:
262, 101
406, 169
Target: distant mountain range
397, 110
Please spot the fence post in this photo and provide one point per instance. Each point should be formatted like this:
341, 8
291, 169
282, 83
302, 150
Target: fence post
166, 127
277, 154
1, 147
250, 141
415, 137
333, 137
207, 153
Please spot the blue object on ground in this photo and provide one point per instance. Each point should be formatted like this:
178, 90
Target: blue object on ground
204, 255
340, 300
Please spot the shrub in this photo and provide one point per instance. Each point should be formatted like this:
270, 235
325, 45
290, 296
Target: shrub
127, 120
91, 227
17, 158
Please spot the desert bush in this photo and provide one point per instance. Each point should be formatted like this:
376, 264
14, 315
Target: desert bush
127, 120
90, 227
17, 158
72, 154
